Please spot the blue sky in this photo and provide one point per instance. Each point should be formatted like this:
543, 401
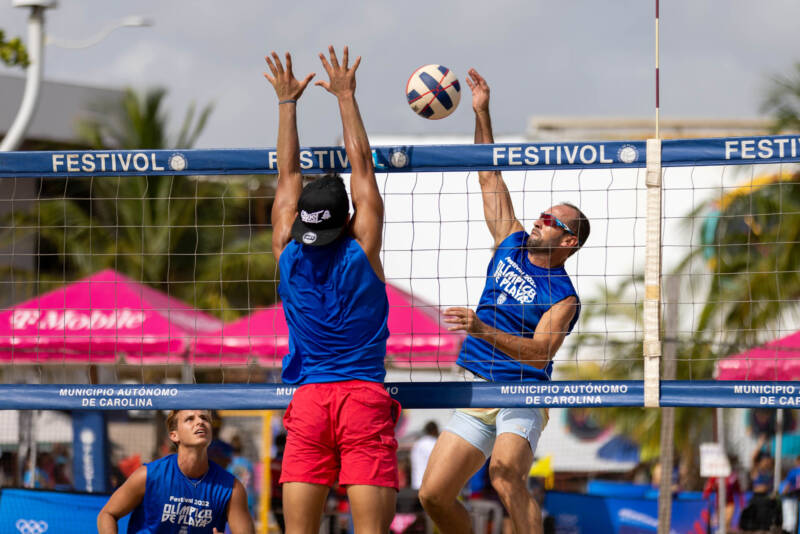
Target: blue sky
568, 58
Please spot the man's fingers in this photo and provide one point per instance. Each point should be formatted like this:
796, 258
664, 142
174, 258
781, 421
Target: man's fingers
345, 57
470, 83
334, 60
325, 63
356, 64
323, 84
278, 65
269, 78
307, 79
288, 62
271, 65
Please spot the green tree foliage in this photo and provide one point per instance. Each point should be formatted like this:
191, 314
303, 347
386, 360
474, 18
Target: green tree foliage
12, 51
783, 102
206, 241
742, 274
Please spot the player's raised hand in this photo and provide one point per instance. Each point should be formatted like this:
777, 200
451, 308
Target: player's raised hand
342, 77
480, 91
287, 87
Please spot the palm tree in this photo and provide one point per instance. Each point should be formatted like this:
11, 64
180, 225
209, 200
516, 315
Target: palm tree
783, 102
198, 240
12, 51
748, 286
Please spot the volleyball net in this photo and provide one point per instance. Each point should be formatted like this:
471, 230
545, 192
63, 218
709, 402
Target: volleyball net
152, 270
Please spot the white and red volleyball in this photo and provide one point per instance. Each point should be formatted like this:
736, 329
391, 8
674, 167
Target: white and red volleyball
433, 92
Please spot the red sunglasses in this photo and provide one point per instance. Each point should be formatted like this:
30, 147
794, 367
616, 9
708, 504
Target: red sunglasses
553, 222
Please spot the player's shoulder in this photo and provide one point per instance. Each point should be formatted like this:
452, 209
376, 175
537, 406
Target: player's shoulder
512, 242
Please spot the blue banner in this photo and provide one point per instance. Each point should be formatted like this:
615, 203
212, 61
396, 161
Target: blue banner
433, 158
730, 394
40, 512
277, 396
591, 514
596, 394
416, 158
730, 151
90, 452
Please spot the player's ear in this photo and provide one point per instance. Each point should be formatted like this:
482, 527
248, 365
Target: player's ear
173, 437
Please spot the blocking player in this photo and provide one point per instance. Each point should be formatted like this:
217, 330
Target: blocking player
183, 493
527, 308
340, 422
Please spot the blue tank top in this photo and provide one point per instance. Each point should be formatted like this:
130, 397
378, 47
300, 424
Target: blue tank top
175, 504
516, 295
336, 309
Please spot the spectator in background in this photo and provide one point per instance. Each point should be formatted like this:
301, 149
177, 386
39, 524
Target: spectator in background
276, 494
733, 490
421, 452
242, 468
219, 451
791, 483
36, 478
7, 463
762, 472
61, 481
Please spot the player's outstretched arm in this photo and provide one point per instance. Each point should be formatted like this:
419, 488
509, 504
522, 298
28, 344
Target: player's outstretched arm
122, 502
290, 181
367, 222
497, 207
536, 351
238, 516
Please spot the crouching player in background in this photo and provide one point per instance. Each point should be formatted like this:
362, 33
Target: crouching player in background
183, 493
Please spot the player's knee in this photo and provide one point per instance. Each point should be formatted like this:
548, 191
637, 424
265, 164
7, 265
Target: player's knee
432, 501
506, 479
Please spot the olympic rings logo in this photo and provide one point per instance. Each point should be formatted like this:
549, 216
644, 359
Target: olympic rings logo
31, 526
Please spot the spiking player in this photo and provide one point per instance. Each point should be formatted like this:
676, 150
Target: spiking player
183, 493
340, 422
527, 308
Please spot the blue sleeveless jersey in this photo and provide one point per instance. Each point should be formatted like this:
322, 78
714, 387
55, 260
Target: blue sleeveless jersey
516, 295
173, 504
336, 309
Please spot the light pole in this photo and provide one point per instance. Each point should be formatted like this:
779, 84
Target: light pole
33, 78
35, 46
132, 21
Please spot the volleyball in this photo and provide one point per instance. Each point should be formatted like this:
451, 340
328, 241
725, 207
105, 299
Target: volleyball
433, 92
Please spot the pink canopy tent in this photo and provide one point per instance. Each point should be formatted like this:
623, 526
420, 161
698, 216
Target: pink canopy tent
99, 318
417, 337
776, 360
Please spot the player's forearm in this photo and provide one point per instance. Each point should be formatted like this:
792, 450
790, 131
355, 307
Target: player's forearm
483, 128
106, 523
525, 350
288, 143
355, 138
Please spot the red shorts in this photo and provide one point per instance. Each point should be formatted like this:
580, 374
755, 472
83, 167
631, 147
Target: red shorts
344, 429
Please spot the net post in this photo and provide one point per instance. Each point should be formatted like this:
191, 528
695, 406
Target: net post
652, 277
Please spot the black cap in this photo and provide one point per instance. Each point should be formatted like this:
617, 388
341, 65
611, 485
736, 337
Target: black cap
322, 211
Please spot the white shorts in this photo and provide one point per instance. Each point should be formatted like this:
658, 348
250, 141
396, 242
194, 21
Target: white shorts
480, 427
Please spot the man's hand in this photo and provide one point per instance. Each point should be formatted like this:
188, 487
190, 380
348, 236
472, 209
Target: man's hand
342, 79
480, 91
283, 80
464, 319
